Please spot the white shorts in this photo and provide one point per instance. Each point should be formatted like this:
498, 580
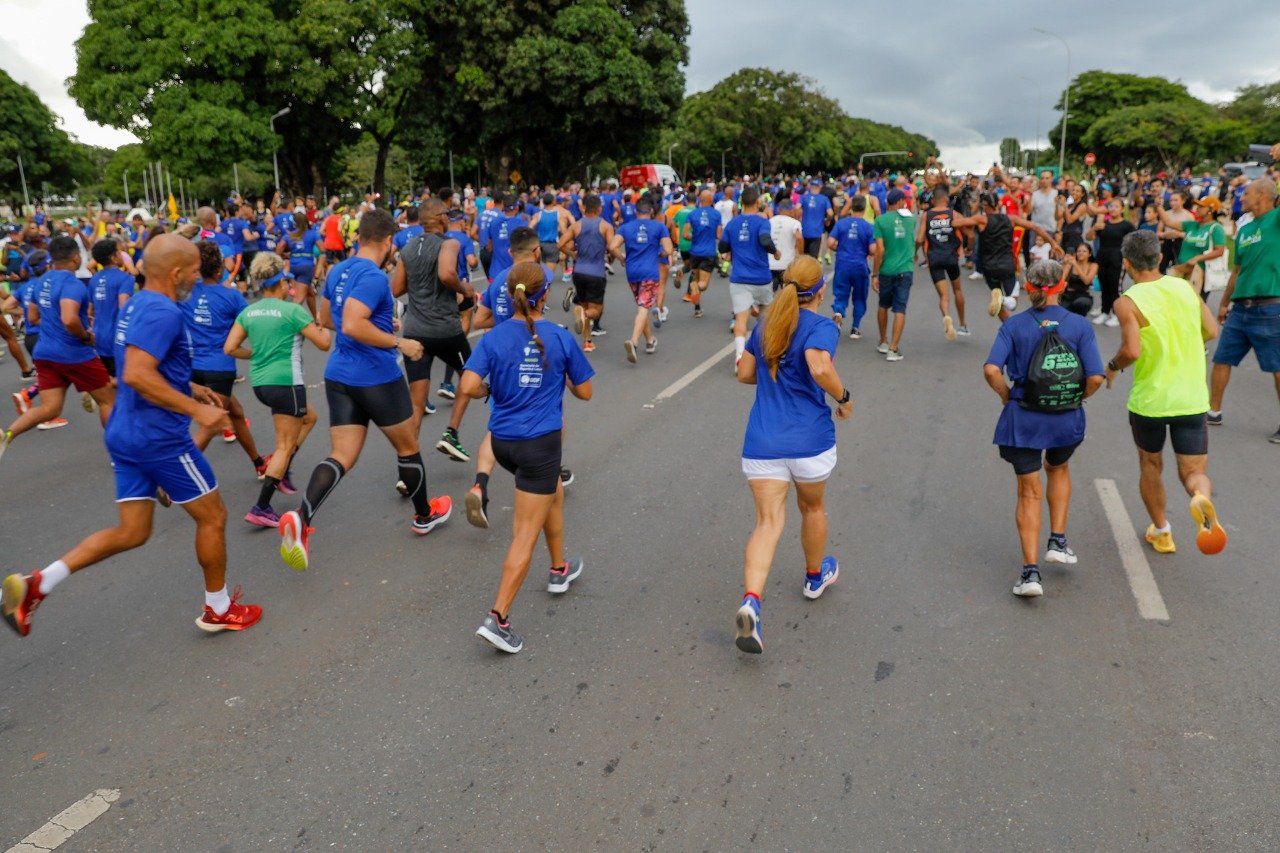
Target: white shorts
810, 469
743, 296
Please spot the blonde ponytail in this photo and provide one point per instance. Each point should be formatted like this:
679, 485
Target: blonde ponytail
783, 316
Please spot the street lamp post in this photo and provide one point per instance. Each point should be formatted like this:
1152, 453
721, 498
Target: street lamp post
723, 173
672, 147
275, 153
1066, 101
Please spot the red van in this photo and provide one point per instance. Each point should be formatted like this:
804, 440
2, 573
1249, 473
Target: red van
649, 173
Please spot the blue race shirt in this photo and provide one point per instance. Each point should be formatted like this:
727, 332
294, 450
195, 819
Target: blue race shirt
254, 244
210, 312
283, 223
748, 238
483, 221
351, 362
404, 235
880, 190
107, 287
500, 235
629, 211
813, 213
153, 323
548, 226
466, 249
854, 238
1015, 343
790, 418
56, 343
233, 230
26, 294
302, 258
528, 394
574, 206
703, 223
643, 239
498, 300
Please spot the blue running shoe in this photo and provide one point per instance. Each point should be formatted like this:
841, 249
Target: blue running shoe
750, 637
447, 390
815, 585
430, 408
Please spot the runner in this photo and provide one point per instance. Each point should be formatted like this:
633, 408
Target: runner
854, 240
523, 366
586, 242
938, 237
815, 214
702, 228
1163, 328
727, 206
274, 328
411, 229
790, 437
300, 247
1029, 436
645, 240
998, 250
893, 264
363, 382
498, 238
149, 442
110, 288
551, 223
785, 229
19, 303
747, 242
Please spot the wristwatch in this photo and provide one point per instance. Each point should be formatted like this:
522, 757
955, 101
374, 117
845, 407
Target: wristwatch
1111, 365
843, 399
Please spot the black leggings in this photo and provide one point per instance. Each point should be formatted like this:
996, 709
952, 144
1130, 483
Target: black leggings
1077, 302
1109, 272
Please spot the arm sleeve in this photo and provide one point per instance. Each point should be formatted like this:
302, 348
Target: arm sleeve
766, 240
724, 246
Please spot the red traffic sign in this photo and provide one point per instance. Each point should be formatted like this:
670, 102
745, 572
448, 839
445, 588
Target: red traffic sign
1089, 159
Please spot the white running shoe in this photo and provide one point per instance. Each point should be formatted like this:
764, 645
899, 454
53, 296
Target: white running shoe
1111, 322
1010, 304
882, 348
1028, 586
975, 276
1099, 318
894, 355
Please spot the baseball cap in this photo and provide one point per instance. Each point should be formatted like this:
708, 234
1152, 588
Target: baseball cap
894, 197
456, 213
13, 228
1211, 202
815, 180
677, 196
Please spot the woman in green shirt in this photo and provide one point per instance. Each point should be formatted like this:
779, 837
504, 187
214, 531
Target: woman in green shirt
274, 328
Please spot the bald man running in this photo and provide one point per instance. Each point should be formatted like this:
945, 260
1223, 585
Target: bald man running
148, 437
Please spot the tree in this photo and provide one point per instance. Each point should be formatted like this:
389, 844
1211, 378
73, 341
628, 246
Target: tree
1097, 95
1183, 132
49, 154
1258, 106
1010, 152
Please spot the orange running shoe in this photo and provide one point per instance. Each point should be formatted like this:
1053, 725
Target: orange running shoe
1210, 538
20, 599
237, 618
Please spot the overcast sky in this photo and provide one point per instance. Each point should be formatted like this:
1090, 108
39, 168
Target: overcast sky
953, 71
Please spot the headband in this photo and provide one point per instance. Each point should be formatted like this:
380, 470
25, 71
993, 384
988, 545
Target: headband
274, 280
1055, 288
814, 288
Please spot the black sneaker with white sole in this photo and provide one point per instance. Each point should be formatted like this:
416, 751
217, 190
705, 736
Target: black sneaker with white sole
451, 446
1214, 418
559, 580
1028, 585
566, 477
500, 636
1058, 552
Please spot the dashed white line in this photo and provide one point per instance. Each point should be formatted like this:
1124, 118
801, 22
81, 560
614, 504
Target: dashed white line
1141, 580
68, 822
684, 381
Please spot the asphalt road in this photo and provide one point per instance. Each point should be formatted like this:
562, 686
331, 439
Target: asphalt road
917, 706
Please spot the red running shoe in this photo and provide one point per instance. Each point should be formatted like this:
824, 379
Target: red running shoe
293, 541
20, 599
441, 509
237, 618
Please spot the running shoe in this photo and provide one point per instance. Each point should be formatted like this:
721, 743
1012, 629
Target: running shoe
447, 391
1161, 542
1210, 538
948, 328
1099, 318
239, 379
87, 403
294, 538
567, 302
566, 477
579, 319
29, 374
6, 439
963, 331
589, 346
598, 331
429, 408
855, 334
837, 319
997, 298
651, 347
1112, 322
500, 635
655, 316
664, 312
1011, 305
441, 508
21, 401
237, 618
975, 275
688, 297
828, 573
1213, 418
630, 347
894, 355
477, 504
1274, 438
261, 470
20, 599
262, 516
882, 348
55, 423
450, 446
608, 267
1028, 585
750, 637
228, 435
558, 582
1059, 553
286, 486
697, 312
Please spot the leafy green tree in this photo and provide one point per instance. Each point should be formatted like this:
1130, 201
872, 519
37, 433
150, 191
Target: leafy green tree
49, 154
1183, 132
1097, 95
1010, 152
1258, 106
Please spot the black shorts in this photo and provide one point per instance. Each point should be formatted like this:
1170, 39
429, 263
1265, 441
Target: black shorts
221, 381
288, 400
454, 352
355, 405
335, 256
550, 252
685, 255
812, 245
535, 462
941, 272
247, 261
1189, 434
29, 342
1002, 280
588, 289
109, 362
1027, 460
702, 263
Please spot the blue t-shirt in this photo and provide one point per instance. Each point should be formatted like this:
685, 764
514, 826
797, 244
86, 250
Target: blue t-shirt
56, 343
233, 230
404, 235
254, 244
498, 300
210, 312
528, 394
854, 238
629, 211
152, 322
26, 294
302, 254
500, 235
466, 249
747, 237
351, 362
643, 239
813, 214
107, 287
484, 219
790, 418
703, 223
1015, 343
574, 206
283, 225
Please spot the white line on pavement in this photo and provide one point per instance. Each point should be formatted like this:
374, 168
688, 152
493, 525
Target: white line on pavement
684, 381
1141, 581
68, 822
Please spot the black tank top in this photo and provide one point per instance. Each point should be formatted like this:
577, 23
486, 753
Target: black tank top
996, 243
1076, 283
940, 237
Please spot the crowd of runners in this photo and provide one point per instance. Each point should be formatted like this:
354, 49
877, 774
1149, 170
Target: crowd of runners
151, 321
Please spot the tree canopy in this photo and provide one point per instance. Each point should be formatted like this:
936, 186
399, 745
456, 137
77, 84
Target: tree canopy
49, 154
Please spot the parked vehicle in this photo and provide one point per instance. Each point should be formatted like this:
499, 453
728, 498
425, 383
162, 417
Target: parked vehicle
632, 177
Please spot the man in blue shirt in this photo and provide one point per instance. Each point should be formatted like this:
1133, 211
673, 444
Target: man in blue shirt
149, 441
647, 241
412, 229
853, 240
702, 229
363, 382
498, 238
815, 213
747, 242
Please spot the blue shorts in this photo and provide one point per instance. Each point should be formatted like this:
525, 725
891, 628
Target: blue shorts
1256, 328
894, 291
184, 475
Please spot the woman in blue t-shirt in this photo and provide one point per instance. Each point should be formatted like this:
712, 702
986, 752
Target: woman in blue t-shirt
1027, 438
790, 435
523, 365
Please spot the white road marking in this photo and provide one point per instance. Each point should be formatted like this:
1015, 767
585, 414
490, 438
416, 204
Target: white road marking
684, 381
68, 822
1141, 581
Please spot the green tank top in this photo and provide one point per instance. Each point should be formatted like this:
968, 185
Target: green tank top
1169, 376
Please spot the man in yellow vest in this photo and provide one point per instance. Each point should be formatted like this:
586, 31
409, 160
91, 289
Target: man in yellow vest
1163, 329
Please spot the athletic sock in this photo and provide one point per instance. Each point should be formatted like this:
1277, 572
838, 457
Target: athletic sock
323, 481
219, 602
414, 475
1060, 538
739, 346
1030, 567
269, 485
1168, 527
257, 462
500, 619
52, 575
1214, 414
752, 599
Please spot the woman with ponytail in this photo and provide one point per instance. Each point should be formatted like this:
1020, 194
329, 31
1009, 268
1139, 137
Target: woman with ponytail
791, 437
523, 366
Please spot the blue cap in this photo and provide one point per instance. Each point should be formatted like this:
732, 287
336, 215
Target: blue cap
894, 197
13, 228
815, 180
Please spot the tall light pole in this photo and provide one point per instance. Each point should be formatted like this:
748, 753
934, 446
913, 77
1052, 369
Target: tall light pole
722, 171
275, 159
672, 147
1066, 101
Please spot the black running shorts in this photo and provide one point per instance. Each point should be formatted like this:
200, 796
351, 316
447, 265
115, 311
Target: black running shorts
221, 381
941, 272
288, 400
1002, 280
535, 462
454, 352
1027, 460
355, 405
588, 289
1189, 434
702, 263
